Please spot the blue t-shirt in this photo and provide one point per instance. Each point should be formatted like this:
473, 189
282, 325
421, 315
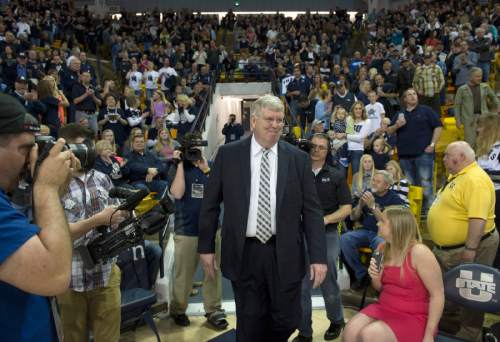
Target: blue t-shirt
23, 316
416, 134
187, 209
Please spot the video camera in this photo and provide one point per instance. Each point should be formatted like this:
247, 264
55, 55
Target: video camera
189, 145
111, 242
288, 136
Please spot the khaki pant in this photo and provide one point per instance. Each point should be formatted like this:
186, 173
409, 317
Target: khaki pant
470, 129
97, 310
468, 323
186, 260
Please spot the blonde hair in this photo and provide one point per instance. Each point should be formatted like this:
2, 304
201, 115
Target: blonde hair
385, 145
404, 234
364, 116
113, 145
159, 145
360, 175
269, 102
162, 96
490, 133
102, 145
336, 110
399, 172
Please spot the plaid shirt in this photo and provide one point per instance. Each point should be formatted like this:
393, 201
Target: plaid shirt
428, 80
87, 196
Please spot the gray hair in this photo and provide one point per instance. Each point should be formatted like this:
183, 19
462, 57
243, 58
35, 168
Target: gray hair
269, 102
387, 176
465, 148
475, 70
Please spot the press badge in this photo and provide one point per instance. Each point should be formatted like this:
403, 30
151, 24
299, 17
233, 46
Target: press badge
197, 190
232, 137
325, 180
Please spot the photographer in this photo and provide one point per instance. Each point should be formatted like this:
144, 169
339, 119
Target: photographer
93, 300
232, 130
189, 183
35, 259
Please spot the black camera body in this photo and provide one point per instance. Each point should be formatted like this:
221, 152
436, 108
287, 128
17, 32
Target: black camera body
303, 144
46, 142
189, 147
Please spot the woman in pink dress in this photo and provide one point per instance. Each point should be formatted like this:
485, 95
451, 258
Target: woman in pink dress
410, 284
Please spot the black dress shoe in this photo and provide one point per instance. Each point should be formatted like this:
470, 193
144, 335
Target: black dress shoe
360, 284
300, 338
181, 320
334, 331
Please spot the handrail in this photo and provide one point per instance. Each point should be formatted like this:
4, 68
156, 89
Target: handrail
199, 123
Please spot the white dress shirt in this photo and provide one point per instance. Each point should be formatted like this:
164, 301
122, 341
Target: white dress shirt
255, 160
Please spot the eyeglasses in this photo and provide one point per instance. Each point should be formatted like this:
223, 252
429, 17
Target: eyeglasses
319, 147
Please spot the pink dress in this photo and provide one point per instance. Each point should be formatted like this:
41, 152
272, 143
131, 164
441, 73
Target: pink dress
403, 303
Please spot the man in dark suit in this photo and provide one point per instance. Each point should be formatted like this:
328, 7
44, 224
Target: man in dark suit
270, 206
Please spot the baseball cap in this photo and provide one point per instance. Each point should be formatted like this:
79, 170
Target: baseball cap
21, 55
14, 118
21, 79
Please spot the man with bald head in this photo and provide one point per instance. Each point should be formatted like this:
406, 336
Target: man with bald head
461, 225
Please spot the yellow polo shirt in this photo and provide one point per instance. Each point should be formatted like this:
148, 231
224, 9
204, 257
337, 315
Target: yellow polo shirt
468, 194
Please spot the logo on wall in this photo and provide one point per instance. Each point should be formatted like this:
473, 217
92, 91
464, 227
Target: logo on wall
481, 290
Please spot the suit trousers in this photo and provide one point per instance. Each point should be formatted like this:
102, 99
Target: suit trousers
97, 310
186, 260
266, 309
465, 323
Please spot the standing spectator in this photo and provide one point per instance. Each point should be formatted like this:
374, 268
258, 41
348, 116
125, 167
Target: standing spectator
86, 101
482, 46
298, 87
461, 225
151, 80
85, 66
168, 77
335, 199
405, 75
463, 63
134, 78
47, 94
362, 179
410, 284
343, 96
418, 129
112, 117
488, 157
471, 102
375, 111
355, 140
428, 82
232, 130
368, 211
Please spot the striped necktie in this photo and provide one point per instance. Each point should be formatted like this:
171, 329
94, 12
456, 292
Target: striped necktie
263, 231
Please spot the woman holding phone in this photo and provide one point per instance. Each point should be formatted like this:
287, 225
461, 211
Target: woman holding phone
410, 283
112, 117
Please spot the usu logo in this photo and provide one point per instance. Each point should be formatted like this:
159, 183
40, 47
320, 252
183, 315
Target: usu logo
481, 290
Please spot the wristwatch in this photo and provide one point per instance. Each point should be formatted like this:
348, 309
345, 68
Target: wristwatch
432, 144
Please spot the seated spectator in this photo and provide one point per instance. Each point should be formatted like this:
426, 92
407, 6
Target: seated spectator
134, 132
136, 117
109, 136
401, 185
380, 153
368, 211
112, 117
107, 163
143, 169
362, 180
165, 146
410, 282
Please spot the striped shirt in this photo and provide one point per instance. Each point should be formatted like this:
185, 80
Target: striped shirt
87, 196
428, 80
402, 189
491, 164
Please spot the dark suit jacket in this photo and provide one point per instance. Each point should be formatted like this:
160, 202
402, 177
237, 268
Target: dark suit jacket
298, 211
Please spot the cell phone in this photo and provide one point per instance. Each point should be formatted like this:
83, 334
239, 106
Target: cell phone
401, 116
378, 255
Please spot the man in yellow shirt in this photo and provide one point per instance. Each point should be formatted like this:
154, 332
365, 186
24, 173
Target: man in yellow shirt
461, 225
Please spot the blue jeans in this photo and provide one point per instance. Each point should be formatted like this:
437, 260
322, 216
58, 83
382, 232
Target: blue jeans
419, 171
329, 288
156, 185
351, 241
485, 66
354, 158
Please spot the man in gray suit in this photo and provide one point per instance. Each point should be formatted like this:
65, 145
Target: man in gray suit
472, 100
270, 207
